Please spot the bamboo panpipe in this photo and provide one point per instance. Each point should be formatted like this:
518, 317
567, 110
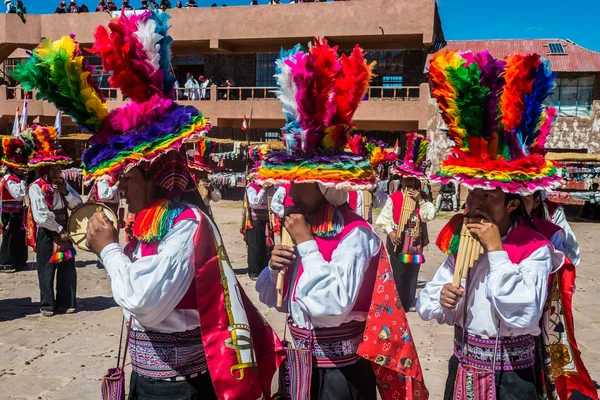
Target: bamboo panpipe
286, 240
469, 251
408, 208
367, 202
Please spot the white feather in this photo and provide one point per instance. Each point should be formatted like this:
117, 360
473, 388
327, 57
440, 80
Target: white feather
149, 39
287, 90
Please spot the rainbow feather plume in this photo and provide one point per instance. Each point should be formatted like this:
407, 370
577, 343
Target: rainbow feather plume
61, 256
414, 157
449, 237
154, 221
286, 94
60, 74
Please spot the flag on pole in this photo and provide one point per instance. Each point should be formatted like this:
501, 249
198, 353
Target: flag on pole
396, 148
58, 123
245, 124
15, 131
24, 115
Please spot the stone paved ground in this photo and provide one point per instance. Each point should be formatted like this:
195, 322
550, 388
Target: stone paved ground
64, 357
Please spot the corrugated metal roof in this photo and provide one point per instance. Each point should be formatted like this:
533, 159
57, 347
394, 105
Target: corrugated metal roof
576, 59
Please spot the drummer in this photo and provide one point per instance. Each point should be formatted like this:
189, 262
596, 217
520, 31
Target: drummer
50, 196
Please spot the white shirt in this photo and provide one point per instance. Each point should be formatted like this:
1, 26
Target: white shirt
326, 291
39, 209
150, 288
499, 293
386, 217
277, 201
16, 189
571, 247
106, 192
258, 201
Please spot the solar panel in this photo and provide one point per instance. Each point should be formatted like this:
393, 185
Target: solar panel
556, 48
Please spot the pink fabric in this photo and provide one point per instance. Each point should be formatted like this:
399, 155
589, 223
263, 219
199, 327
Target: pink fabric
327, 247
287, 201
545, 227
353, 199
522, 242
255, 186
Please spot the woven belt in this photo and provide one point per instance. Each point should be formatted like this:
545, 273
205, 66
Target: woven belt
513, 353
331, 347
164, 356
183, 378
12, 207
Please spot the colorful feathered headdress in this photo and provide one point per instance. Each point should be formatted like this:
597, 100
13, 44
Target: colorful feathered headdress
46, 150
136, 50
16, 152
319, 91
414, 158
373, 149
200, 165
495, 115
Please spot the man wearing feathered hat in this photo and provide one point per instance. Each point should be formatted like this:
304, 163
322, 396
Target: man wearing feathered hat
200, 168
406, 243
495, 116
50, 198
13, 253
329, 276
194, 332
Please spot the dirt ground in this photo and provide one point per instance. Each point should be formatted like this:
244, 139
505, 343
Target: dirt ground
65, 356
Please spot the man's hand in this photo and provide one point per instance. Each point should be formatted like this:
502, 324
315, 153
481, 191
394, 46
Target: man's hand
64, 236
415, 195
61, 186
488, 233
298, 228
396, 240
100, 232
450, 295
282, 257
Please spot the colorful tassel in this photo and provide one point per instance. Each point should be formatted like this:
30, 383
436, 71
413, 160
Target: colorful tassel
61, 256
154, 221
328, 222
412, 258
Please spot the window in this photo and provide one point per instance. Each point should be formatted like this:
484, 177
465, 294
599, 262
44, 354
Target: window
10, 64
272, 136
265, 69
389, 67
573, 97
392, 81
188, 60
556, 48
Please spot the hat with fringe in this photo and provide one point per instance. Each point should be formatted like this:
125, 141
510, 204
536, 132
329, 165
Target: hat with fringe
46, 150
416, 153
495, 115
200, 165
136, 50
319, 91
16, 152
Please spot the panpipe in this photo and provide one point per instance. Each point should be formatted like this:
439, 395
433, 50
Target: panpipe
469, 250
409, 205
367, 198
286, 240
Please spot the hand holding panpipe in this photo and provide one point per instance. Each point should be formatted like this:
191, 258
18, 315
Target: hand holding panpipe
469, 250
409, 205
286, 240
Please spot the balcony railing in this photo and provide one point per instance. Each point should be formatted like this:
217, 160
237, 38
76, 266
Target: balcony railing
399, 93
246, 93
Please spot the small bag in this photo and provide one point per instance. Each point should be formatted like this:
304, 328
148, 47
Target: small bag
474, 383
113, 383
295, 372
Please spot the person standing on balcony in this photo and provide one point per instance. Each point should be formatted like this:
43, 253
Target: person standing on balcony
126, 6
179, 4
191, 4
13, 253
144, 5
205, 88
111, 6
61, 9
73, 8
10, 7
165, 4
101, 7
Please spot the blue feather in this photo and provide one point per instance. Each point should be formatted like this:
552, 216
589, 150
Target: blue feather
162, 27
534, 107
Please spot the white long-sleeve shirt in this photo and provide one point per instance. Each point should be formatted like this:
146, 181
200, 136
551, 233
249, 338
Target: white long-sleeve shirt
277, 201
107, 192
16, 189
44, 217
499, 293
260, 200
386, 217
571, 247
150, 288
326, 291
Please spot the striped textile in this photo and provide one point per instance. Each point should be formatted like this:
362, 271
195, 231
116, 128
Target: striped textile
474, 384
260, 214
295, 373
163, 356
12, 207
331, 347
513, 353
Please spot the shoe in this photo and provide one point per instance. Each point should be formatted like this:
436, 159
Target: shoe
7, 269
66, 311
253, 277
47, 313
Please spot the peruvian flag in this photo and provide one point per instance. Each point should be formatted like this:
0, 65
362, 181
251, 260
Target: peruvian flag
245, 124
396, 148
16, 130
24, 115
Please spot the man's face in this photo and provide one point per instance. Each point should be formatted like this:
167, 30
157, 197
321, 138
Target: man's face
529, 204
410, 183
489, 205
307, 197
54, 172
135, 189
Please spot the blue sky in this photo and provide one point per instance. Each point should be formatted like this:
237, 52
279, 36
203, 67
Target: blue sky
472, 19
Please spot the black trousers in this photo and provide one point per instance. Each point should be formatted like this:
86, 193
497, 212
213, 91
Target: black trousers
406, 277
143, 388
354, 382
13, 252
259, 253
66, 276
510, 385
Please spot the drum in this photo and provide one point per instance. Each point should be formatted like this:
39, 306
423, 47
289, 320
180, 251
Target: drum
79, 219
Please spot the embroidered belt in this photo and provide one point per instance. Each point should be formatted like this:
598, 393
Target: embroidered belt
259, 214
513, 353
331, 347
12, 207
164, 356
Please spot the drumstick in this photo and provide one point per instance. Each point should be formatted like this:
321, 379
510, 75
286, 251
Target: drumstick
286, 240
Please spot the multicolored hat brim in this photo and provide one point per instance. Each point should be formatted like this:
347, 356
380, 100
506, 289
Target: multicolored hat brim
47, 161
408, 173
12, 164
